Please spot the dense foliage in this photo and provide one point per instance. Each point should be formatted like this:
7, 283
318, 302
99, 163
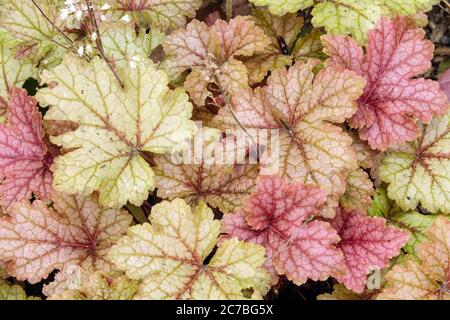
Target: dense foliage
197, 149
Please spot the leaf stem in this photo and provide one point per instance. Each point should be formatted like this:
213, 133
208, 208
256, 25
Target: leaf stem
137, 213
65, 36
99, 43
444, 51
229, 9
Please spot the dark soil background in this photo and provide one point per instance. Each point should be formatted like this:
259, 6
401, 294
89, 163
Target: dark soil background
438, 31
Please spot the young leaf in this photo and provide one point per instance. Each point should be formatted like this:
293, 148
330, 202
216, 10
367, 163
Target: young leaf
367, 244
201, 178
168, 256
24, 156
36, 239
115, 127
353, 17
420, 173
210, 53
14, 71
276, 216
392, 100
285, 46
427, 279
303, 106
359, 191
163, 14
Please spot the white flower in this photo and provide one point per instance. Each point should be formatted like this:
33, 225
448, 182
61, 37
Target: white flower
94, 36
106, 6
134, 60
125, 18
80, 51
133, 64
71, 2
88, 49
64, 14
102, 17
79, 15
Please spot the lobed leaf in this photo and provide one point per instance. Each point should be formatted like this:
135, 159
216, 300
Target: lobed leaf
36, 239
303, 106
24, 156
392, 100
353, 17
168, 256
367, 244
277, 216
115, 127
210, 53
162, 14
426, 279
420, 173
14, 71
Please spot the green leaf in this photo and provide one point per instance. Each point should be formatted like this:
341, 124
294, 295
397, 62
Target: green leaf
14, 72
420, 172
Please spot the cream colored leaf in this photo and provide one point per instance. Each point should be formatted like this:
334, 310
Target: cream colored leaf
123, 46
168, 256
115, 127
421, 172
13, 72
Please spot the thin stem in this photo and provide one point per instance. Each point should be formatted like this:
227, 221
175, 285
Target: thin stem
229, 9
137, 213
65, 36
99, 43
446, 3
444, 51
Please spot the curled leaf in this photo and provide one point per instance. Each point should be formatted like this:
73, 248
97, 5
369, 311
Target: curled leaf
210, 52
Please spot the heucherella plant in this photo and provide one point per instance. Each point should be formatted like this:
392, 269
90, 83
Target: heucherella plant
188, 149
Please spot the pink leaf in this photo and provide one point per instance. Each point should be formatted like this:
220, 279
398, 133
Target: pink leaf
36, 239
24, 156
367, 244
392, 100
275, 216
